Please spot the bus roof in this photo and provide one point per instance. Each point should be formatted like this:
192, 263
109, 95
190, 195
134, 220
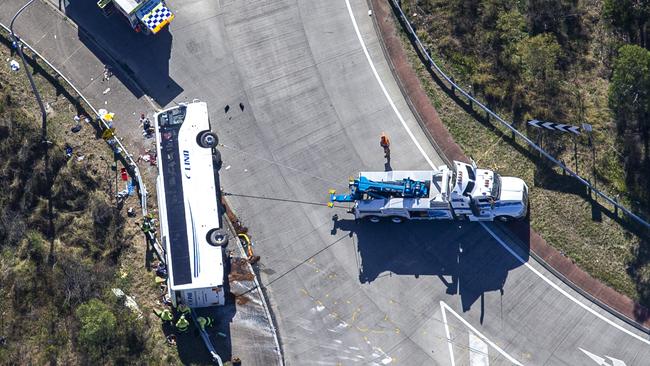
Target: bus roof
187, 198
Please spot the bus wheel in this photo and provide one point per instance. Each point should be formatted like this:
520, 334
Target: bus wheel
208, 139
218, 238
216, 159
504, 218
373, 219
397, 219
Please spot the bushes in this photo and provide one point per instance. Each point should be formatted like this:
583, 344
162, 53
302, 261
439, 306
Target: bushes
98, 328
109, 333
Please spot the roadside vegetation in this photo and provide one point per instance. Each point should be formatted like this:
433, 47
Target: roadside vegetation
55, 285
564, 61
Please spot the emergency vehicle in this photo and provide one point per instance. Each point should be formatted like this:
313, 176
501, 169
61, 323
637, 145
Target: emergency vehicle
462, 192
147, 16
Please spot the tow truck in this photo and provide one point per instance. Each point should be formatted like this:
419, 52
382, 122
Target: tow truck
462, 192
147, 16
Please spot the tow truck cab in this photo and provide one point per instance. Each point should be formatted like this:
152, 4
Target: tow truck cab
482, 194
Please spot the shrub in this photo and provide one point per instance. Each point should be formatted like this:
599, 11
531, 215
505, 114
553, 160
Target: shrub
98, 328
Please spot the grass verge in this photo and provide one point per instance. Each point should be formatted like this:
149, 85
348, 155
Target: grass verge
597, 239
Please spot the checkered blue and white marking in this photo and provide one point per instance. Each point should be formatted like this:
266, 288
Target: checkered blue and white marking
158, 15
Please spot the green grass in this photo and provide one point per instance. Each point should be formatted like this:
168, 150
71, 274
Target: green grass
559, 212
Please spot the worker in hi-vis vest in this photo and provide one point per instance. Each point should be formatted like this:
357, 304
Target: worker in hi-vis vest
384, 142
182, 324
205, 322
165, 315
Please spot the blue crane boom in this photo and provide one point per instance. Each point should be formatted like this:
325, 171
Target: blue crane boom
405, 188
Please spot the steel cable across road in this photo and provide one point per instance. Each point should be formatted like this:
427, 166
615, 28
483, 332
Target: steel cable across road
395, 4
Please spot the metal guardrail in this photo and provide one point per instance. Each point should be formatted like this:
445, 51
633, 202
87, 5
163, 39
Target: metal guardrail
395, 4
122, 149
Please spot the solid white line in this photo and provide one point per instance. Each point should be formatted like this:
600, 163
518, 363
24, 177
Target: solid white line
383, 88
503, 244
444, 307
451, 348
558, 288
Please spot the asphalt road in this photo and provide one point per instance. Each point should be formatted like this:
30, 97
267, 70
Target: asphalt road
311, 113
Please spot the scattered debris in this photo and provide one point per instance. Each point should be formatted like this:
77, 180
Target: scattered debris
129, 302
15, 66
107, 73
68, 151
239, 270
106, 91
171, 340
130, 212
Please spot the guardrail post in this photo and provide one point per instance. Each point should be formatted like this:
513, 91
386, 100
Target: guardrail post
453, 86
616, 205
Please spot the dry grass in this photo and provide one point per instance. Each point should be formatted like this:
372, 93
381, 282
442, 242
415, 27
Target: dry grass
37, 306
560, 210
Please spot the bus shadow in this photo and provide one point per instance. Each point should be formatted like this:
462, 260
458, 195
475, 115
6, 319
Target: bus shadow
139, 61
190, 345
466, 259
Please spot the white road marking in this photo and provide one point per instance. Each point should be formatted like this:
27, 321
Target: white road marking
417, 144
559, 289
601, 361
449, 341
446, 307
383, 88
478, 351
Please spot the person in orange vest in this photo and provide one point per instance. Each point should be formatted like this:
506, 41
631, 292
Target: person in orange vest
384, 142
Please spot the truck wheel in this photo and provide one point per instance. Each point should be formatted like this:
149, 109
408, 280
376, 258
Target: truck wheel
207, 139
397, 219
217, 238
504, 218
373, 219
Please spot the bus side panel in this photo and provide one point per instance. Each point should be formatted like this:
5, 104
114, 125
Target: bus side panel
203, 297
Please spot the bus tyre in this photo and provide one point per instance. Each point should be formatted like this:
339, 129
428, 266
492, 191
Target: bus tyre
208, 139
373, 219
504, 218
397, 219
218, 238
216, 159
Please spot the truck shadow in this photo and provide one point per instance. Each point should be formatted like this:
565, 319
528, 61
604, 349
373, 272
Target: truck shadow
466, 259
141, 62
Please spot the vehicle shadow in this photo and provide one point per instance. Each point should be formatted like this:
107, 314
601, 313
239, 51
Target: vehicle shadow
190, 345
466, 259
140, 61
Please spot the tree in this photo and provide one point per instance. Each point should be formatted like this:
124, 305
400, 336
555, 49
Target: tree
629, 99
629, 91
98, 327
629, 16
